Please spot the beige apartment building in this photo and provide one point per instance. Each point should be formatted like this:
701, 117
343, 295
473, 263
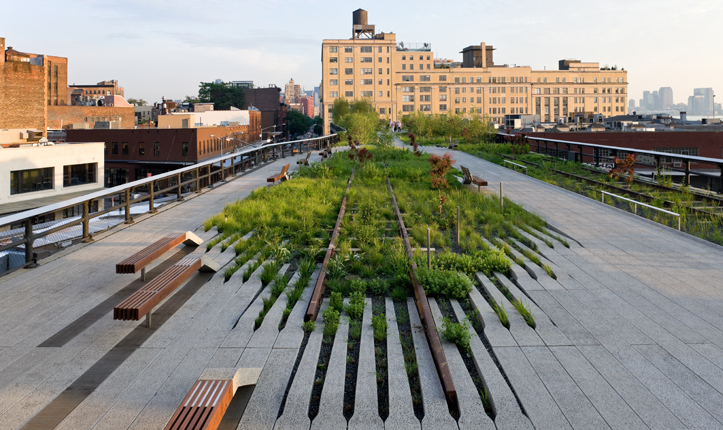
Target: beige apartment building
402, 78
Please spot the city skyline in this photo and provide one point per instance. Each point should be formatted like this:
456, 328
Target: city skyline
159, 48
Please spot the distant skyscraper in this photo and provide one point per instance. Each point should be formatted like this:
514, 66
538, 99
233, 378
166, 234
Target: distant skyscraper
666, 97
648, 102
656, 100
631, 106
703, 101
292, 93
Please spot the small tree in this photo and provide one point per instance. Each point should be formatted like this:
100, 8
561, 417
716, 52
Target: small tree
440, 168
624, 168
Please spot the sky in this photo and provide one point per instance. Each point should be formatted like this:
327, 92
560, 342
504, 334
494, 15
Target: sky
160, 48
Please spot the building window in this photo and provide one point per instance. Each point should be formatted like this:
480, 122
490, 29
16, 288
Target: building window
381, 94
424, 78
456, 79
443, 97
115, 148
333, 71
332, 49
383, 111
27, 181
367, 82
333, 93
425, 98
348, 71
348, 81
367, 60
156, 148
456, 100
347, 49
407, 89
425, 108
442, 89
380, 70
348, 59
184, 149
379, 58
124, 147
456, 90
366, 94
365, 49
442, 78
425, 89
408, 98
349, 94
407, 108
105, 148
404, 57
407, 78
79, 174
366, 71
333, 59
443, 107
333, 82
141, 148
411, 67
404, 67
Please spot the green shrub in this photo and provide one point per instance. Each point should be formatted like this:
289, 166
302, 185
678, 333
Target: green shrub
269, 271
355, 329
378, 287
331, 321
355, 309
309, 326
279, 285
338, 286
379, 324
357, 286
306, 267
293, 296
336, 302
302, 282
336, 269
400, 294
486, 261
457, 333
444, 283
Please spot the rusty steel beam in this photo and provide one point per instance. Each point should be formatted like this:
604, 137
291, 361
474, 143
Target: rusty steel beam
425, 314
313, 308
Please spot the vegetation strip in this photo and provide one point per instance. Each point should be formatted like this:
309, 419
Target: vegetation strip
435, 345
315, 301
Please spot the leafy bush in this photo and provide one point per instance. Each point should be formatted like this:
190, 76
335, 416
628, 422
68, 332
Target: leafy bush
355, 329
279, 285
309, 326
358, 286
355, 309
331, 321
378, 286
336, 302
293, 296
457, 333
336, 269
444, 283
379, 324
338, 286
400, 293
486, 261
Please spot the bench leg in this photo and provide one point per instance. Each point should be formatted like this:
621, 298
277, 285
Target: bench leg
148, 320
143, 274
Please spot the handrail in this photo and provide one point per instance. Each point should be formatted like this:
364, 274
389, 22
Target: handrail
117, 189
602, 199
518, 165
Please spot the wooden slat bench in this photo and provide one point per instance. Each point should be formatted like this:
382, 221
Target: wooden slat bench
150, 253
453, 145
304, 161
469, 178
282, 176
142, 302
207, 401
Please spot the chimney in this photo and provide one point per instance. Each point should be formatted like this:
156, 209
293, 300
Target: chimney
683, 116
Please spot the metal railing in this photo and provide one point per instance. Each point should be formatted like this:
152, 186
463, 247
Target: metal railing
636, 203
518, 165
580, 155
29, 235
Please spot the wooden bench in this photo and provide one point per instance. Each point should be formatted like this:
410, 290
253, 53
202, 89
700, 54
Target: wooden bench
472, 179
453, 145
150, 253
142, 302
304, 161
207, 400
282, 176
325, 153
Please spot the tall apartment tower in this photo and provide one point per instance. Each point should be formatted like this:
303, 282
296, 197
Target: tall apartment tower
292, 92
399, 78
666, 97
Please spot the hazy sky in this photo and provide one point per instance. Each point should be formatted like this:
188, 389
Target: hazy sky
165, 48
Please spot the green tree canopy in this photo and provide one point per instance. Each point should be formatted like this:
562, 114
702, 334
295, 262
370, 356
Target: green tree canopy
297, 122
223, 96
137, 102
340, 109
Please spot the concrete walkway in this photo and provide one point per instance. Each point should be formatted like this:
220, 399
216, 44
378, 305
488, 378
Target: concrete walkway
630, 335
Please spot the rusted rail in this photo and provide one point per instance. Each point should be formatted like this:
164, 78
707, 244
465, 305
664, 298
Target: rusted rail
313, 308
425, 314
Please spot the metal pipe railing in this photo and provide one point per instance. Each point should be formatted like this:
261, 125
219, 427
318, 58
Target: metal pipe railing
636, 203
22, 240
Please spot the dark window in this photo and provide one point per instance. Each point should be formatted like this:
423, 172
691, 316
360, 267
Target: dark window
105, 148
115, 148
156, 148
124, 147
141, 148
184, 149
79, 174
27, 181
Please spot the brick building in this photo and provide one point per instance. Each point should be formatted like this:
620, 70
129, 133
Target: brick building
87, 116
134, 154
273, 112
28, 84
78, 94
307, 104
